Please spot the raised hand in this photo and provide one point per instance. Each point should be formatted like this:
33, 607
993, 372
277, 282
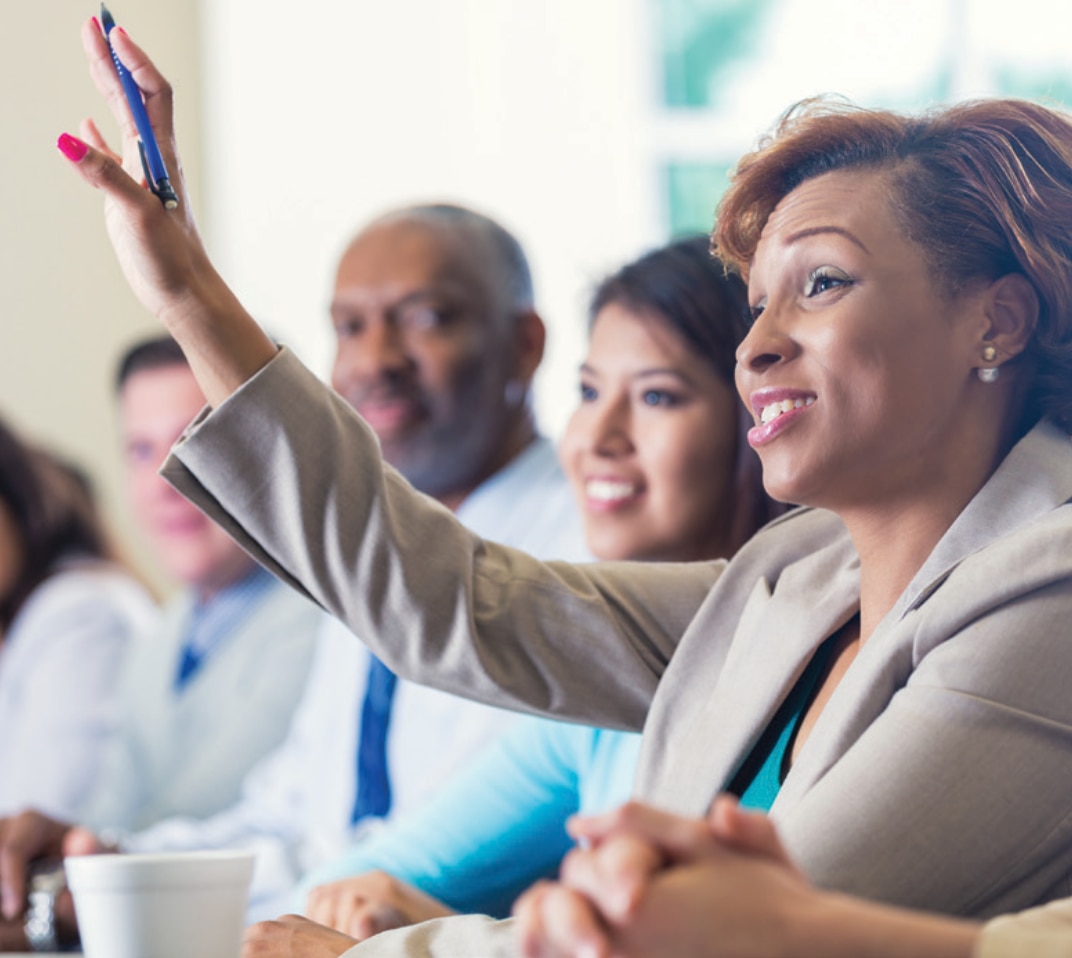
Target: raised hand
160, 251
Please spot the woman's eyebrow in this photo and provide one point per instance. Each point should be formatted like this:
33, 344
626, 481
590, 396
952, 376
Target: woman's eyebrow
818, 230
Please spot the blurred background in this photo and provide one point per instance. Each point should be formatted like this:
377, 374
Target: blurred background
592, 128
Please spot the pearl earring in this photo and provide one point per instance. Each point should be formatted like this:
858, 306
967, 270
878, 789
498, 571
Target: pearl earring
989, 374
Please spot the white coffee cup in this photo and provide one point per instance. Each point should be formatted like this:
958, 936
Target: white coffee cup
171, 905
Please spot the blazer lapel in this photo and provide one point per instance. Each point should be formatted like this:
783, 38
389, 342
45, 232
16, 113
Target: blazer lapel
778, 630
774, 643
1034, 479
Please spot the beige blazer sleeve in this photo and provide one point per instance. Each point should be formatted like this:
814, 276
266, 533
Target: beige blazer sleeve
1038, 933
439, 604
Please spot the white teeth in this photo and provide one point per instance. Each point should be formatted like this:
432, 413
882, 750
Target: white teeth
775, 409
606, 490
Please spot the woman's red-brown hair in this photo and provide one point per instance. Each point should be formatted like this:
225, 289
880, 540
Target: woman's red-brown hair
984, 188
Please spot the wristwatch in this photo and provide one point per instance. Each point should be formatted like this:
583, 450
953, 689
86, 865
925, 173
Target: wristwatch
40, 925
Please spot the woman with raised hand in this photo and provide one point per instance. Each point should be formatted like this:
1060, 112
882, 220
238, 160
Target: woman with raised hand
886, 669
67, 613
659, 461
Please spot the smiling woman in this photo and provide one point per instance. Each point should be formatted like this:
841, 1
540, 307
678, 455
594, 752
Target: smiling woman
853, 321
643, 395
656, 447
887, 673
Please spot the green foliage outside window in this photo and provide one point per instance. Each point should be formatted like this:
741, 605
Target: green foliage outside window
701, 39
693, 191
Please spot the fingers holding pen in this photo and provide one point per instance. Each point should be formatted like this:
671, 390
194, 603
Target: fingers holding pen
92, 135
105, 79
159, 98
141, 102
101, 168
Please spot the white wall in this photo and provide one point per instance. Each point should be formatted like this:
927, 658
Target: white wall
65, 311
319, 118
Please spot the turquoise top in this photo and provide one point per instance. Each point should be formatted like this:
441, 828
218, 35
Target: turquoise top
760, 777
500, 824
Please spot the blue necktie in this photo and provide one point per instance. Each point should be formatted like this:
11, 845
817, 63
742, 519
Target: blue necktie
191, 662
213, 621
373, 786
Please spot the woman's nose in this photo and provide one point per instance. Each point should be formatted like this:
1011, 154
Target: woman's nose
610, 432
766, 344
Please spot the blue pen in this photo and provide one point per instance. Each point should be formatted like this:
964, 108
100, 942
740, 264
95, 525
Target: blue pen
152, 162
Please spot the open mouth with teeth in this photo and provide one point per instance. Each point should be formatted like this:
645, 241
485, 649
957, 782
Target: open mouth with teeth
775, 409
609, 490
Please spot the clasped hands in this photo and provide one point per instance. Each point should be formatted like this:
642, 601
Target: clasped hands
643, 883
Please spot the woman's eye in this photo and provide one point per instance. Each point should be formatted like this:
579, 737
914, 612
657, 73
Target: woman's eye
826, 278
588, 393
658, 397
754, 312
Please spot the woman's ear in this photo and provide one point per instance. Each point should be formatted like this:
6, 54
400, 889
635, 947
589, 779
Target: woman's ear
1012, 311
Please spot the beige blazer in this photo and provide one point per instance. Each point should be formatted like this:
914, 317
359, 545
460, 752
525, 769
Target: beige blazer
940, 773
1044, 932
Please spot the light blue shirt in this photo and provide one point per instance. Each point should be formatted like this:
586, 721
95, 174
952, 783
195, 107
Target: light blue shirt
500, 824
213, 621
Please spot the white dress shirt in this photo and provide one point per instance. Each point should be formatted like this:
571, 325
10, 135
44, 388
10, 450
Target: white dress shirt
297, 803
58, 666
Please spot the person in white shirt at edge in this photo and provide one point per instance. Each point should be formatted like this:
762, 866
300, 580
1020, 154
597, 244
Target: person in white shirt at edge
234, 634
68, 614
437, 344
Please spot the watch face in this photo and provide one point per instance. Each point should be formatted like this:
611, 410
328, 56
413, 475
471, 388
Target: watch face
40, 927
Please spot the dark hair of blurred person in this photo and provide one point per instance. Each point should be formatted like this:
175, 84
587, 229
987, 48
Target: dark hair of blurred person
48, 504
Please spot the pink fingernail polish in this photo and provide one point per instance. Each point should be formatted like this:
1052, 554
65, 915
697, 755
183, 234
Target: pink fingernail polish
71, 147
96, 23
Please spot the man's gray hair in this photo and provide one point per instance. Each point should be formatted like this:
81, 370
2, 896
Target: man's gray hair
497, 247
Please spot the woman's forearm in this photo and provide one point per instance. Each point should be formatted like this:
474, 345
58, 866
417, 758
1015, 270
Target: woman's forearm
222, 342
836, 926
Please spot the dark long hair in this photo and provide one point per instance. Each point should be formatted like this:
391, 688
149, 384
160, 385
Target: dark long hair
52, 508
685, 287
